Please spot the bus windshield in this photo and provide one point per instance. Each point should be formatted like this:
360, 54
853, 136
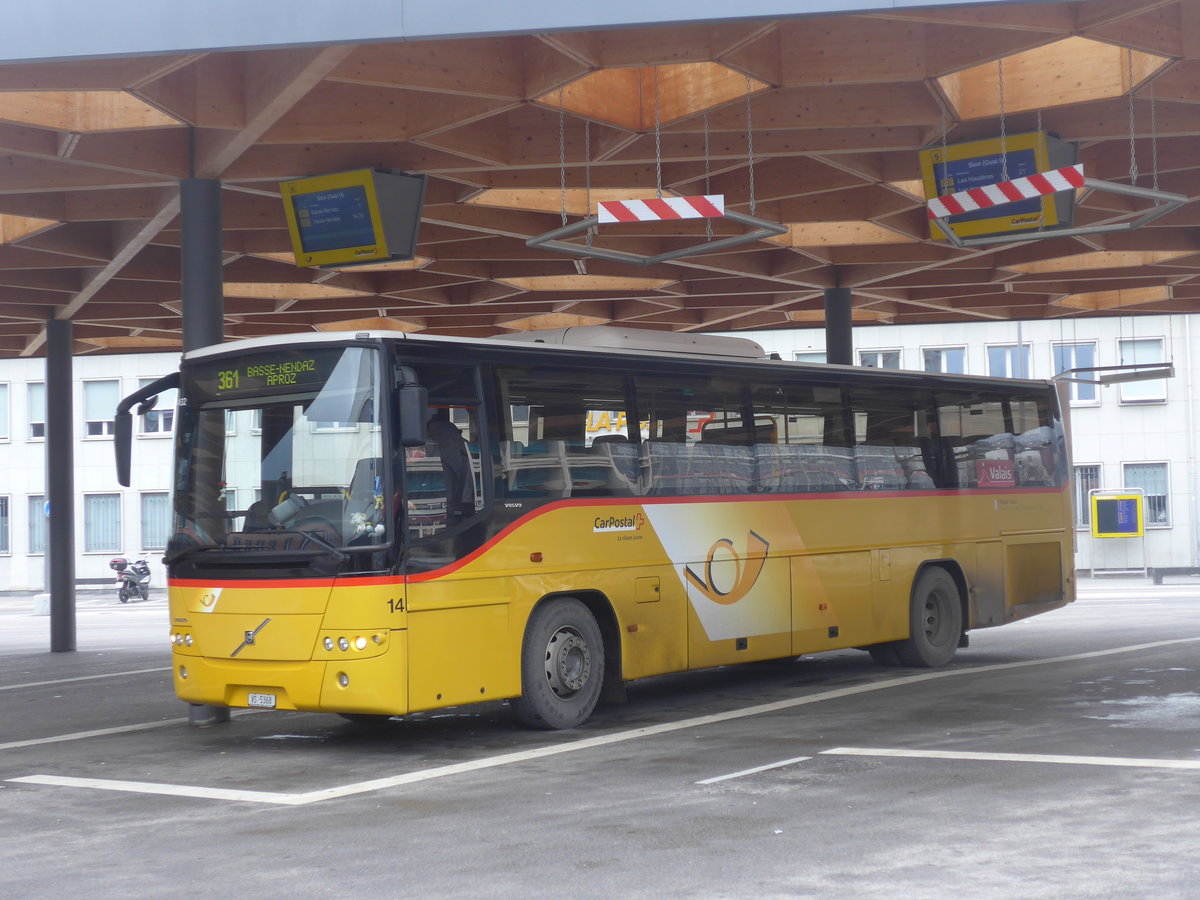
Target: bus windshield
282, 451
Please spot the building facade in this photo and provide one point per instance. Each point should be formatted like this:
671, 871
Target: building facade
1139, 434
109, 520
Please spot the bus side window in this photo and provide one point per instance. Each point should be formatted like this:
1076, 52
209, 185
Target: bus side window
978, 440
804, 449
565, 433
893, 439
699, 442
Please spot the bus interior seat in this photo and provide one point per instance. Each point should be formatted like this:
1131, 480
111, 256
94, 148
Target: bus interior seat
878, 469
720, 469
801, 468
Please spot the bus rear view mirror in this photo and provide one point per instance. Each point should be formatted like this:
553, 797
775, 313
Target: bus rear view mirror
145, 398
123, 444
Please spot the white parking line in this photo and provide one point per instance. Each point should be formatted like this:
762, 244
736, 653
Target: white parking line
505, 759
33, 684
755, 770
1127, 762
81, 735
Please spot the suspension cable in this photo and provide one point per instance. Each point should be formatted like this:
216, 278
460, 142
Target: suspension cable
750, 142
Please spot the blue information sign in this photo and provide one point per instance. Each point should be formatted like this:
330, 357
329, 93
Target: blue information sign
963, 174
331, 220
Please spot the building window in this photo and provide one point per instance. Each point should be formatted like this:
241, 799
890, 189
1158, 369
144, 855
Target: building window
161, 419
156, 519
4, 433
37, 523
102, 523
1152, 479
949, 360
1145, 350
4, 548
100, 400
1076, 356
879, 359
1011, 361
1087, 478
810, 356
35, 403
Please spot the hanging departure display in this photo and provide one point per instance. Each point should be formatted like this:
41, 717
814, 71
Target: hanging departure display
960, 167
364, 216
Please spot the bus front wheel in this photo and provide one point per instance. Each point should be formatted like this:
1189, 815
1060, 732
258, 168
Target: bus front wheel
935, 621
562, 666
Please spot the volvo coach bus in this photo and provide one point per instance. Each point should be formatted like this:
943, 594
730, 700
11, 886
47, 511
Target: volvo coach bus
374, 524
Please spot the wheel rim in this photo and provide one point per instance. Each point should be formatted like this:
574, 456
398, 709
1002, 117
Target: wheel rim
568, 663
936, 617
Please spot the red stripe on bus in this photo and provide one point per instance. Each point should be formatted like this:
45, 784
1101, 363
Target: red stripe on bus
735, 498
365, 580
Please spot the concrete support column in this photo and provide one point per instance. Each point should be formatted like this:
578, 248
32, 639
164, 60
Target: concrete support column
839, 337
200, 263
60, 485
203, 309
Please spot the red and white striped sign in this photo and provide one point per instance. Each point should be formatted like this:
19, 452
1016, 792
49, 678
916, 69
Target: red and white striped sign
711, 206
1007, 192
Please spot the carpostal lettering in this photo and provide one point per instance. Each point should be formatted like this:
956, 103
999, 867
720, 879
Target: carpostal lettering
618, 523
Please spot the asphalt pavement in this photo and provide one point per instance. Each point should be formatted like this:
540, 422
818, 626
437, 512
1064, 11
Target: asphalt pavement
1056, 757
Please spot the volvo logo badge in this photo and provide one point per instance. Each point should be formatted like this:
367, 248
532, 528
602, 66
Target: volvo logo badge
250, 636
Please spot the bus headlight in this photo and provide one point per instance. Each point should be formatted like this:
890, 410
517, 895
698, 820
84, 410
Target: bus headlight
328, 642
343, 645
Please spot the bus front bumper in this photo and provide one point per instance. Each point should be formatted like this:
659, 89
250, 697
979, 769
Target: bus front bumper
374, 685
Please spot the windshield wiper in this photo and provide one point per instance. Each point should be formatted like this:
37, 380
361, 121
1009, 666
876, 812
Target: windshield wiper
321, 542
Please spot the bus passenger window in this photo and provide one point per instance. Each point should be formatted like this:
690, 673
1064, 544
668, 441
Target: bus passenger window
893, 439
699, 442
565, 433
805, 448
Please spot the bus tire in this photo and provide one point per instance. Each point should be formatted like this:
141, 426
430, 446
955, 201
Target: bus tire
562, 666
935, 621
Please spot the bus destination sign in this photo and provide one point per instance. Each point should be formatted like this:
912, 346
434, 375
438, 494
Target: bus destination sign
286, 371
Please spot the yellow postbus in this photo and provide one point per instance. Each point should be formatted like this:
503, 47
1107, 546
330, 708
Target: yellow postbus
374, 524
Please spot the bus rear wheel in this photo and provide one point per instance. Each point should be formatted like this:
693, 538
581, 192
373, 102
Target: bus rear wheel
562, 666
935, 621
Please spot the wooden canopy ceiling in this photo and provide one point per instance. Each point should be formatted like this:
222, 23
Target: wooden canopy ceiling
512, 130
